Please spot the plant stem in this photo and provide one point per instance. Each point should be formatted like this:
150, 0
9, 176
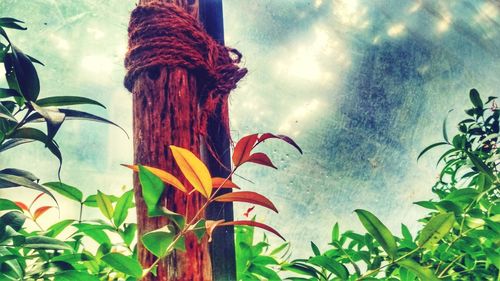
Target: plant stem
367, 274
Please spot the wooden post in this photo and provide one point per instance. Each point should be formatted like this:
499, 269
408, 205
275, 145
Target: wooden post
222, 245
166, 110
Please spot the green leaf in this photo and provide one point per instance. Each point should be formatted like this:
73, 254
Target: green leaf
493, 256
445, 133
152, 189
73, 275
121, 208
66, 190
6, 204
57, 228
475, 98
128, 233
315, 249
158, 241
5, 114
91, 200
5, 93
331, 265
436, 229
104, 204
379, 231
481, 166
464, 195
73, 258
422, 272
335, 232
123, 264
67, 100
45, 243
429, 148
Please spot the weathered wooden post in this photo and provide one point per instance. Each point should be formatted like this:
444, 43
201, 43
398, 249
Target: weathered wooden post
179, 78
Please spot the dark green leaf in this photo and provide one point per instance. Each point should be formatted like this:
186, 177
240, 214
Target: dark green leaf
429, 148
22, 181
67, 100
475, 98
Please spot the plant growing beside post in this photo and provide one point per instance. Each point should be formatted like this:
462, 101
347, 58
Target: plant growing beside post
163, 241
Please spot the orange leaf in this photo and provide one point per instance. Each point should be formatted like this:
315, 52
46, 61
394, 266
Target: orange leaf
253, 223
243, 148
40, 211
163, 175
193, 169
223, 183
262, 159
284, 138
22, 205
210, 226
248, 197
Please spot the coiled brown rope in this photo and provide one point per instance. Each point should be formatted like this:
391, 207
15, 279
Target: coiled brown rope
164, 35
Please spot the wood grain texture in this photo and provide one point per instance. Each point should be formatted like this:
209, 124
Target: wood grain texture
166, 110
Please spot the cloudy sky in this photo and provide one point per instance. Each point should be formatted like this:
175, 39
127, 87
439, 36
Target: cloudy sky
362, 86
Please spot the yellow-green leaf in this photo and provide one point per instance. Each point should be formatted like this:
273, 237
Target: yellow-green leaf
436, 229
104, 204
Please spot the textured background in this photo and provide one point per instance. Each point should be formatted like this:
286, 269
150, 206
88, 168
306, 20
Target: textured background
362, 86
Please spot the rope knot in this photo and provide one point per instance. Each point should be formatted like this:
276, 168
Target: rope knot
162, 34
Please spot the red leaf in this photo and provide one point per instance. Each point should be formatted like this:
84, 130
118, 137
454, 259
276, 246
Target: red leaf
284, 138
253, 223
36, 198
243, 148
223, 183
249, 210
248, 197
261, 158
40, 211
22, 206
210, 226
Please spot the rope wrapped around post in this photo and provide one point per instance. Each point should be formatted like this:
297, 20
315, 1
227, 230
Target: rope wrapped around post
162, 34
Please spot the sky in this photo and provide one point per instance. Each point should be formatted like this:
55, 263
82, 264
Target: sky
362, 86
